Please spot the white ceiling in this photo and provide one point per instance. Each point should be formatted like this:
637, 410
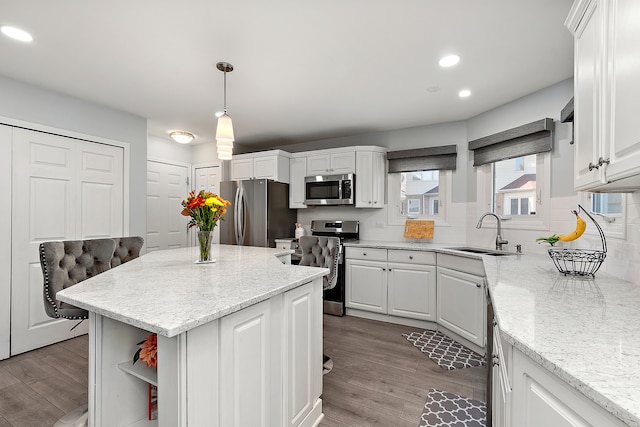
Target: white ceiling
304, 69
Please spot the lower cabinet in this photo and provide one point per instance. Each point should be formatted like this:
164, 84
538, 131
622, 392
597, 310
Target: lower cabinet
542, 399
501, 384
260, 366
395, 282
461, 305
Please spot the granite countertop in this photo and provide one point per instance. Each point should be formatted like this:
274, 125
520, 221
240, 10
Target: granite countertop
585, 331
167, 293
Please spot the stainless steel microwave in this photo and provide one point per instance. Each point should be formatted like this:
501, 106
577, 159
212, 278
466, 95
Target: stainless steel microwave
329, 190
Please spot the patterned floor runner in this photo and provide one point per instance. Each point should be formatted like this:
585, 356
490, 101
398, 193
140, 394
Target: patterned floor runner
447, 353
445, 409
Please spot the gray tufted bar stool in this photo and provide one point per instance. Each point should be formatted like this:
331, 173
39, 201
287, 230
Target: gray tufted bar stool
318, 251
67, 263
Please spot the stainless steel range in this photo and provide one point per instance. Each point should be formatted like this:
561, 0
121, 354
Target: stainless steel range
346, 231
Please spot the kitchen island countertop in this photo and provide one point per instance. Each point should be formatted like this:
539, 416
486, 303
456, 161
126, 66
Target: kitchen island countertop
166, 292
586, 331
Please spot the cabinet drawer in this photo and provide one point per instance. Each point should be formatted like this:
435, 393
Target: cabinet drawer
412, 257
372, 254
461, 263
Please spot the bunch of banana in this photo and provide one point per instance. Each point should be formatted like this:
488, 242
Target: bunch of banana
581, 225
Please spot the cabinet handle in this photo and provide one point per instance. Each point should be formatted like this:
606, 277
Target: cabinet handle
375, 203
389, 269
592, 166
602, 161
364, 254
410, 256
384, 269
478, 285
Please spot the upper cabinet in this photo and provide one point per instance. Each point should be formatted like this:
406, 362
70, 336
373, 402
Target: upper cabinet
370, 179
606, 87
298, 170
331, 162
272, 164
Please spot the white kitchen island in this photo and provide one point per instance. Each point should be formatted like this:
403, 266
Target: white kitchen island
239, 340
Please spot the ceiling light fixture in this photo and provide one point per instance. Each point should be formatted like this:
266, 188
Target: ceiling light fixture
449, 60
16, 34
464, 93
224, 131
182, 136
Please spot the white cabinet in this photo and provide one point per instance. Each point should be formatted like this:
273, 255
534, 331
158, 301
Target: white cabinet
461, 304
501, 384
606, 87
370, 179
395, 282
297, 173
272, 164
542, 399
331, 162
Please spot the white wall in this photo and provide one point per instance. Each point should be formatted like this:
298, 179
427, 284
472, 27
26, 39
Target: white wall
167, 149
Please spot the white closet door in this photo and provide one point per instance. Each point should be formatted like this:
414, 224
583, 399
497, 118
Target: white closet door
167, 186
208, 179
63, 189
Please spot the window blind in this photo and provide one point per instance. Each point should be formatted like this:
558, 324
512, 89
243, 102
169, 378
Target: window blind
423, 159
532, 138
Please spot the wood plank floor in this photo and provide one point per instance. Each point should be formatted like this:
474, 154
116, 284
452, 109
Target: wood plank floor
378, 379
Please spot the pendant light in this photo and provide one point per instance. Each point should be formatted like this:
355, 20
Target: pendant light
224, 131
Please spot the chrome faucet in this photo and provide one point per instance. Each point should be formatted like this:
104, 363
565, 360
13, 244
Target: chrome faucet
499, 240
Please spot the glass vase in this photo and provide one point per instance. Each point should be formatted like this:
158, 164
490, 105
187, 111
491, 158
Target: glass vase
205, 238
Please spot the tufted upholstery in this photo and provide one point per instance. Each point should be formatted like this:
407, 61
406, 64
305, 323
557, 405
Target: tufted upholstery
127, 248
321, 252
66, 263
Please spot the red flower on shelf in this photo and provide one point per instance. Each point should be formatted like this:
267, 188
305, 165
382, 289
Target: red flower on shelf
148, 353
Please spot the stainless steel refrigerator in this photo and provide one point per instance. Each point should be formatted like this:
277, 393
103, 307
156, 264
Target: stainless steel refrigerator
259, 213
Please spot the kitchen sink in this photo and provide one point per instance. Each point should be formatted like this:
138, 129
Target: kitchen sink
482, 251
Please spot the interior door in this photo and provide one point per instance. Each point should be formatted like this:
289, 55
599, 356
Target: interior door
207, 178
167, 186
62, 189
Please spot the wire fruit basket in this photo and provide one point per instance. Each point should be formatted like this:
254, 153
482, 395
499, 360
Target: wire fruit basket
580, 262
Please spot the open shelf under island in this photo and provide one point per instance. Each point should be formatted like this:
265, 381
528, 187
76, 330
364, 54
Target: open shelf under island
239, 340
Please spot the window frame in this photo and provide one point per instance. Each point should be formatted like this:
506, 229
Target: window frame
539, 221
395, 217
616, 229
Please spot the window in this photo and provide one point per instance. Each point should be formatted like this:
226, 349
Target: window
417, 195
609, 209
518, 190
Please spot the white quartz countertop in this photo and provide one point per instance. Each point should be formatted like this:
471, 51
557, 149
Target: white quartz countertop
167, 293
585, 331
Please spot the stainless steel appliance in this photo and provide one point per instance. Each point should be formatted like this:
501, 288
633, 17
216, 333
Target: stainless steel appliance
259, 213
346, 231
330, 189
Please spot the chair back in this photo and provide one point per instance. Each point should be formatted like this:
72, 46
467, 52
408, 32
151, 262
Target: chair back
67, 263
319, 251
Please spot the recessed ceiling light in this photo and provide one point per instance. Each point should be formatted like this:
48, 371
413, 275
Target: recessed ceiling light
182, 136
16, 34
464, 93
449, 60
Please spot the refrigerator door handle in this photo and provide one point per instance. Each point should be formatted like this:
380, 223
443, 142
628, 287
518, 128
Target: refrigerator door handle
236, 215
242, 217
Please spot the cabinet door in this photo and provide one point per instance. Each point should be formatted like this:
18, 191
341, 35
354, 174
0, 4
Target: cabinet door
366, 285
241, 169
318, 164
460, 304
588, 47
501, 386
298, 171
265, 167
412, 291
246, 353
378, 178
364, 173
623, 140
343, 163
303, 351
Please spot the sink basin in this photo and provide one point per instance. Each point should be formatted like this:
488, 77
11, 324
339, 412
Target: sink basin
482, 251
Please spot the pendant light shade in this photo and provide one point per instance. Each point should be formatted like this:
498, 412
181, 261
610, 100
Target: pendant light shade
224, 130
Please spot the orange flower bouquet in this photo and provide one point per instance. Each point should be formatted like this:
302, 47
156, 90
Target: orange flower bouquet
148, 353
205, 210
